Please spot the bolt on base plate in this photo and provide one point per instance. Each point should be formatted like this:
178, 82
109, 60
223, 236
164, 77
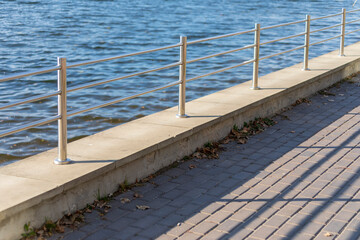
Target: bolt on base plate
181, 116
59, 162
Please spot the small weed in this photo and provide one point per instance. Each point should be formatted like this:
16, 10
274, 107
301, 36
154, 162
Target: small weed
49, 225
124, 186
236, 128
269, 122
105, 198
28, 231
208, 145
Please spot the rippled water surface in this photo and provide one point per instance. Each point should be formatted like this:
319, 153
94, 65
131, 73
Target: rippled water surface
35, 33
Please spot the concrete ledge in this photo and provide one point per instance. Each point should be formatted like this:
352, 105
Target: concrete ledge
35, 188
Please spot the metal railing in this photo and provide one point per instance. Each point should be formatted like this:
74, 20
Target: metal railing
62, 67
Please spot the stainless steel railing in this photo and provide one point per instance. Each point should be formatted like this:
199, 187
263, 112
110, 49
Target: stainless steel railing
62, 67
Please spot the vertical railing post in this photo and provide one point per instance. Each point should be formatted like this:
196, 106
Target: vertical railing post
307, 43
342, 40
62, 112
182, 78
256, 57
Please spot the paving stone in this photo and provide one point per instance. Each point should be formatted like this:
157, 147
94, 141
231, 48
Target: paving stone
203, 228
276, 221
103, 234
332, 207
253, 223
263, 232
146, 222
190, 236
310, 229
172, 220
165, 237
334, 226
242, 215
286, 230
322, 217
179, 230
228, 226
240, 233
344, 216
75, 235
164, 211
354, 225
196, 218
214, 234
233, 206
255, 205
258, 189
299, 219
154, 231
188, 209
266, 213
120, 224
218, 217
211, 208
288, 211
348, 234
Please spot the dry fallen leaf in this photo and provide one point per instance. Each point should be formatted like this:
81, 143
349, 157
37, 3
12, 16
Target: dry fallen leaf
59, 229
328, 234
242, 141
191, 166
124, 200
137, 195
142, 207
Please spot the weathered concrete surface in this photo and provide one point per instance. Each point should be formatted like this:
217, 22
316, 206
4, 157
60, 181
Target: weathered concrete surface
139, 148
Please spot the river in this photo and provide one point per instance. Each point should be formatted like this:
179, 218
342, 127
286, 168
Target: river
34, 33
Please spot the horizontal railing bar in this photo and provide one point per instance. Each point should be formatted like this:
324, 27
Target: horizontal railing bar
352, 31
121, 99
282, 25
276, 54
328, 16
28, 126
325, 40
83, 86
121, 56
221, 36
29, 100
221, 70
355, 10
26, 74
284, 38
222, 53
326, 28
356, 20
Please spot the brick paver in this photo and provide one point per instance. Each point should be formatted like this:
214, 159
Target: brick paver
300, 179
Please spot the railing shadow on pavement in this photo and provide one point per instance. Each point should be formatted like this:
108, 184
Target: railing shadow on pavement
203, 200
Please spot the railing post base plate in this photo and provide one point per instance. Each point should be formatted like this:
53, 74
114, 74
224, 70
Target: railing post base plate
305, 69
59, 162
255, 88
181, 116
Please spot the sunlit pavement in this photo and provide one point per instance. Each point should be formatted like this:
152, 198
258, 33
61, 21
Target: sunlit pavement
299, 179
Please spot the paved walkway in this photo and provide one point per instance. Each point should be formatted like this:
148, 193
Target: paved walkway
300, 179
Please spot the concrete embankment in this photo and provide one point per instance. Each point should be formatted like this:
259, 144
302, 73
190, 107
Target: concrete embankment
34, 189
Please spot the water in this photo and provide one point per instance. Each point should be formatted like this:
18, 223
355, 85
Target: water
34, 34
